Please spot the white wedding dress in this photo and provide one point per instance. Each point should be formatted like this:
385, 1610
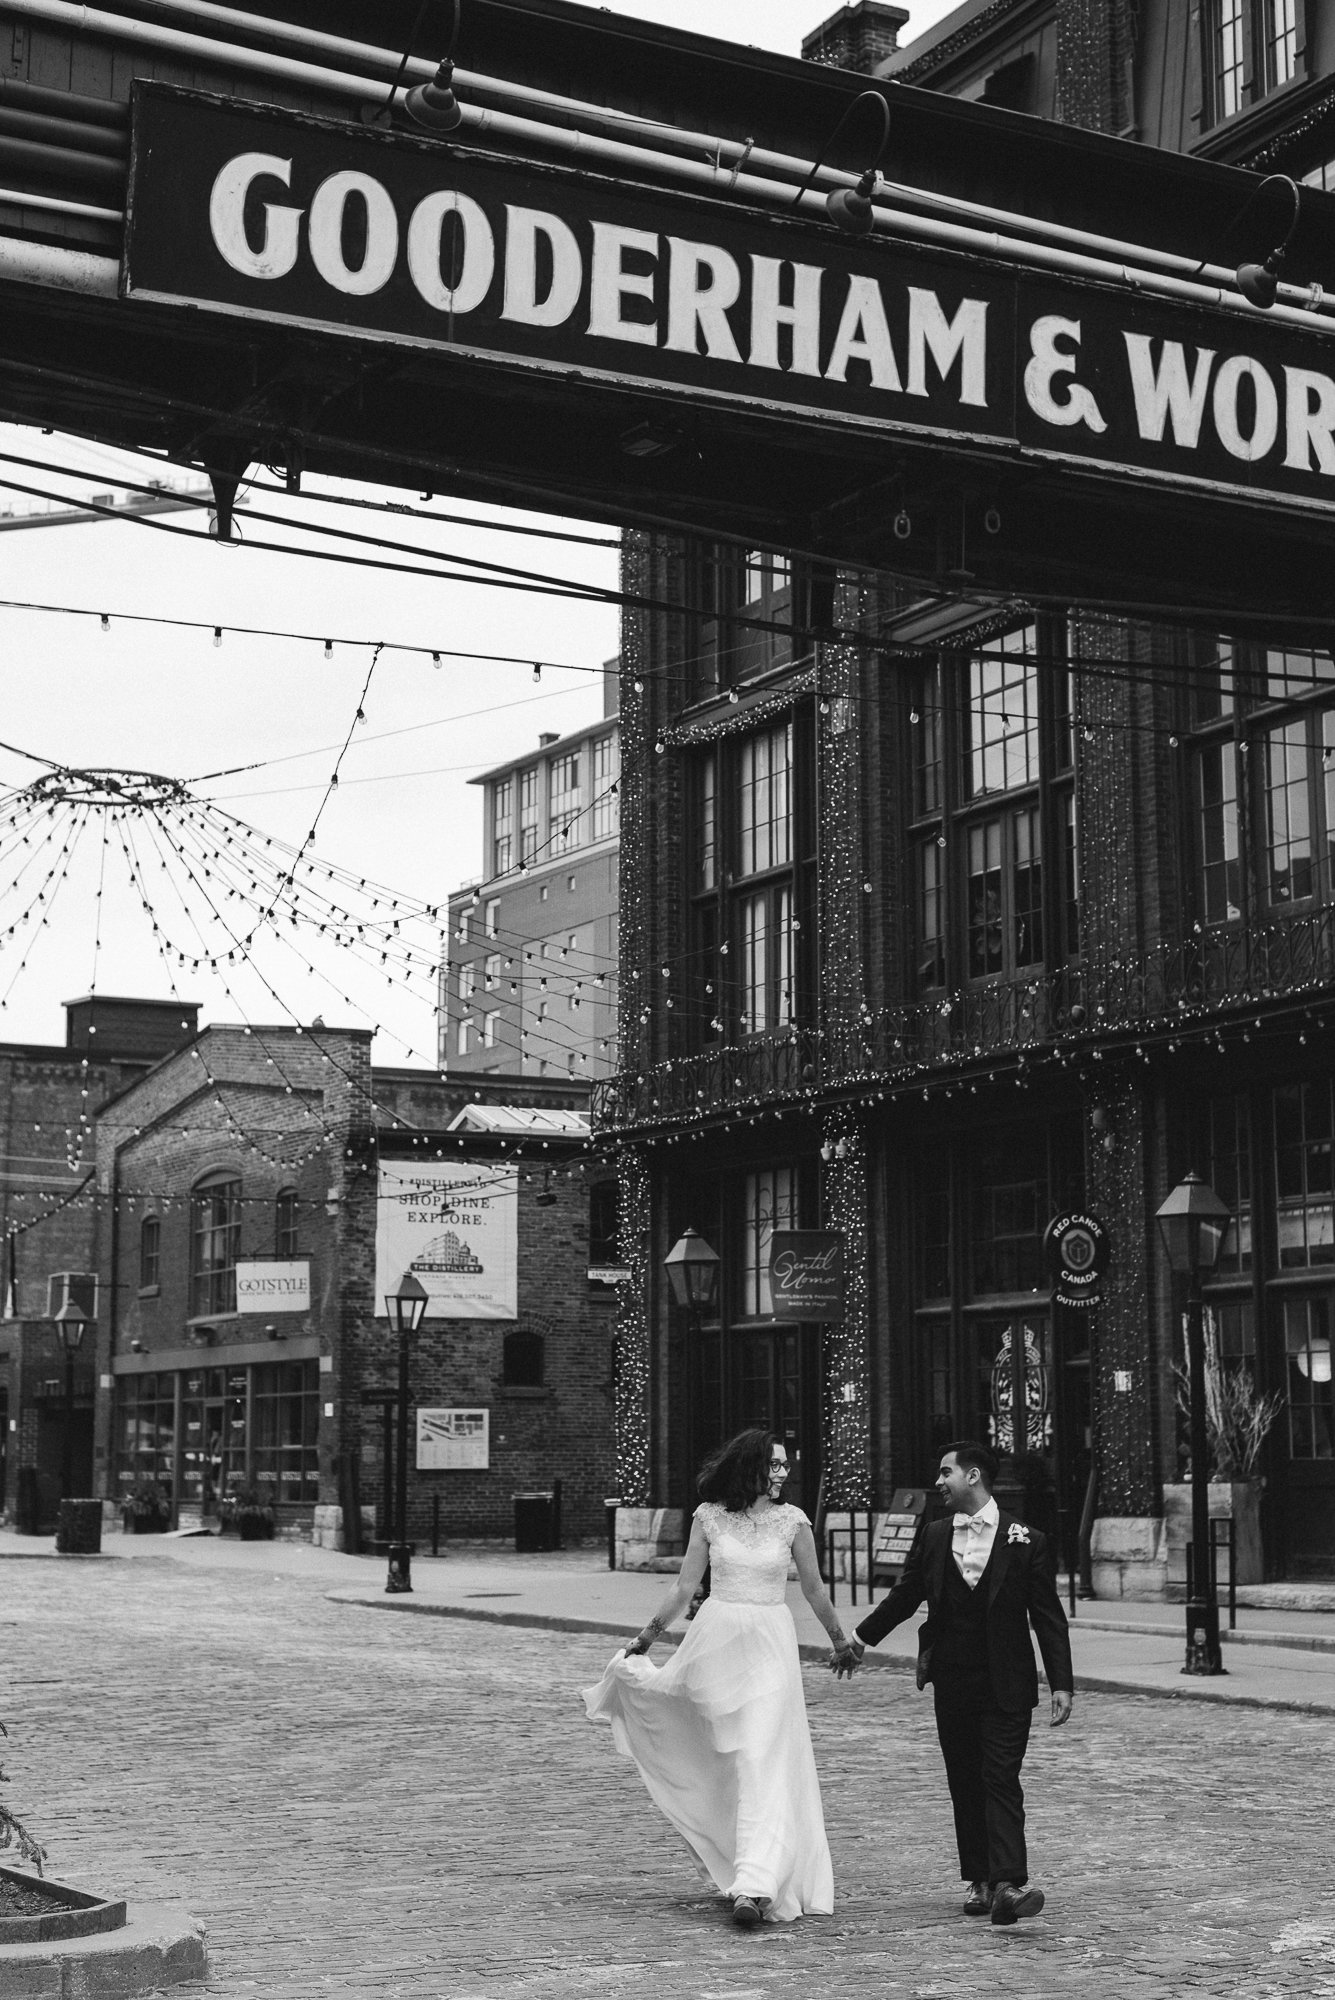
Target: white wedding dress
719, 1731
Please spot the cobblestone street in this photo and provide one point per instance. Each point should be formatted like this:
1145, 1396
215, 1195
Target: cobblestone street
360, 1804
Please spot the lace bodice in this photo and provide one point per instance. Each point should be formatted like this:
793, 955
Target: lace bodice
749, 1553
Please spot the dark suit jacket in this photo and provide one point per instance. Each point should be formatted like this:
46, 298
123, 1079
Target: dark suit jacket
1020, 1588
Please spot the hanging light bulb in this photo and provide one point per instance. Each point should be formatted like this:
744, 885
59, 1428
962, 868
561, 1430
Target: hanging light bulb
217, 635
106, 622
537, 670
329, 649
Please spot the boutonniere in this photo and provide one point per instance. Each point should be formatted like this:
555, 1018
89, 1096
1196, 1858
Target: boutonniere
1017, 1532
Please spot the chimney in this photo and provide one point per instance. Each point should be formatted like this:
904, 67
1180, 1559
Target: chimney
860, 36
548, 736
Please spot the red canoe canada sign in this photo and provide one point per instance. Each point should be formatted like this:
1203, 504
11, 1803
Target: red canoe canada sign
806, 1273
1078, 1252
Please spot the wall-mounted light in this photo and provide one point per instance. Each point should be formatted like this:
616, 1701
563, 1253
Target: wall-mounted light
432, 105
547, 1199
850, 208
1259, 283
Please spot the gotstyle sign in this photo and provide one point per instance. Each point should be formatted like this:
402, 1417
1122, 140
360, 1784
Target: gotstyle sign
265, 214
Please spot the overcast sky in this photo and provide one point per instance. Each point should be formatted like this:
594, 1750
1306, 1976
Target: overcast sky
149, 697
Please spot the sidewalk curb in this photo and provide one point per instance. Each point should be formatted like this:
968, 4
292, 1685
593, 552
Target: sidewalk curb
160, 1945
818, 1655
1298, 1642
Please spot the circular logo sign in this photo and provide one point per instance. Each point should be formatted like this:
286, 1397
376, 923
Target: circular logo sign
1078, 1250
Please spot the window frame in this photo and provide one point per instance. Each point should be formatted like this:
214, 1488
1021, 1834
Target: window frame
150, 1259
286, 1223
212, 1284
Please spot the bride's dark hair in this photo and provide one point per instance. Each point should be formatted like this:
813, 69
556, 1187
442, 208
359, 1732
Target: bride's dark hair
738, 1472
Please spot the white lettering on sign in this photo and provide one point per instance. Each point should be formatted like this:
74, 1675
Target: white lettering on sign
523, 227
277, 254
475, 247
328, 216
703, 283
1047, 361
963, 339
1309, 416
1240, 368
610, 283
1166, 394
864, 335
769, 313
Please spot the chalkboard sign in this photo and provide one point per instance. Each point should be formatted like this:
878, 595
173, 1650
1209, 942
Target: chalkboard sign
806, 1274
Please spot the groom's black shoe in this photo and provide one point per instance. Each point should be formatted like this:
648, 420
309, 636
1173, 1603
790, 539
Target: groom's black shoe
978, 1901
1010, 1902
747, 1912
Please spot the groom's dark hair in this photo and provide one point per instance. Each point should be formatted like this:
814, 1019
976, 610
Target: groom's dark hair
968, 1452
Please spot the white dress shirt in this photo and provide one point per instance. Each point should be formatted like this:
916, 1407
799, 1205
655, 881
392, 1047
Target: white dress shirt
971, 1543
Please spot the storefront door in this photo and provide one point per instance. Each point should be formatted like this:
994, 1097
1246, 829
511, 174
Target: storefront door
213, 1423
1009, 1369
1310, 1418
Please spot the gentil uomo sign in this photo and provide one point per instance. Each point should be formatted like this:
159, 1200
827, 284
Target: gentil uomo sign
381, 235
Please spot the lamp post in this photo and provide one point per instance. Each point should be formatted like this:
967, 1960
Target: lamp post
1194, 1223
692, 1268
70, 1323
405, 1308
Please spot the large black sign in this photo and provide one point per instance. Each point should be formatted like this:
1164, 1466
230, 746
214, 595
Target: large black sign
266, 214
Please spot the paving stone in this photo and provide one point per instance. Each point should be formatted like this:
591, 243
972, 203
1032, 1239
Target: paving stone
416, 1809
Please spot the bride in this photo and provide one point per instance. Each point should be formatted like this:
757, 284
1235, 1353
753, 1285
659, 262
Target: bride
719, 1732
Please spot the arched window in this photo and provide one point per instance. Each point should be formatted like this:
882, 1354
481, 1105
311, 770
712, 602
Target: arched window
285, 1224
523, 1361
215, 1243
150, 1249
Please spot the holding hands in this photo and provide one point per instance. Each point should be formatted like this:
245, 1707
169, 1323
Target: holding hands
847, 1655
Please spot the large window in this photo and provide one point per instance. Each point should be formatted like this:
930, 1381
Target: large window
285, 1422
743, 601
1262, 763
528, 815
146, 1433
150, 1253
285, 1227
994, 852
502, 844
1249, 48
215, 1242
751, 869
770, 1204
605, 803
566, 801
1305, 1173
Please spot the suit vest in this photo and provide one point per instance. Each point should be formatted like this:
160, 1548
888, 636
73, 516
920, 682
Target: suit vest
960, 1644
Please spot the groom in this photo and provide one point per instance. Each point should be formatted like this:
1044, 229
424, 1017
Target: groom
986, 1577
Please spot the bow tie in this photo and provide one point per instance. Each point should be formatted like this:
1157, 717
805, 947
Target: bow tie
974, 1522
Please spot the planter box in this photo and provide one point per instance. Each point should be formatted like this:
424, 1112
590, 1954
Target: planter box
74, 1913
1239, 1502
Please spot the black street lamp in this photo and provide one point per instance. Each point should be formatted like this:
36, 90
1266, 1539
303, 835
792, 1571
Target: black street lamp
70, 1323
692, 1268
405, 1308
1194, 1224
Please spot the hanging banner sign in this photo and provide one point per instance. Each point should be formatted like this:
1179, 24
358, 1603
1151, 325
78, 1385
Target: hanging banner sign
454, 1225
270, 1286
386, 236
806, 1274
1078, 1250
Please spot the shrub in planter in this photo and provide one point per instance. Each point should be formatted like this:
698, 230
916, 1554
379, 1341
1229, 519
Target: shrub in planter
253, 1514
13, 1833
147, 1510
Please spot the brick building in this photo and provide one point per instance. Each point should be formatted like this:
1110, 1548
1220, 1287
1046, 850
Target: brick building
50, 1098
256, 1158
530, 984
1006, 913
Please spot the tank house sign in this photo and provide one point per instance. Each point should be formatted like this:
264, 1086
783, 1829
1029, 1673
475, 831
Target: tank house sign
265, 214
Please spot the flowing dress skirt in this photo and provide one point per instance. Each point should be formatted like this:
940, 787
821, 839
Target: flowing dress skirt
719, 1735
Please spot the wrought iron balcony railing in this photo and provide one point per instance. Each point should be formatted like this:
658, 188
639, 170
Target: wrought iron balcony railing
1203, 979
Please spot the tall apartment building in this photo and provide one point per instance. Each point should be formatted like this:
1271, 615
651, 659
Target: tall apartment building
530, 984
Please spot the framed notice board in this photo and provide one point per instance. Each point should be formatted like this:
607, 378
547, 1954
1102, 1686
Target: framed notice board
897, 1532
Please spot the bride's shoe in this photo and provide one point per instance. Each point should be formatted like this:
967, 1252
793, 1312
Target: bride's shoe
748, 1911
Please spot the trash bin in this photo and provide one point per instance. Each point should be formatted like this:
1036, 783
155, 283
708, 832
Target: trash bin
536, 1524
80, 1529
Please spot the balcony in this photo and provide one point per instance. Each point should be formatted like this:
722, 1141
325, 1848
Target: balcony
1204, 980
